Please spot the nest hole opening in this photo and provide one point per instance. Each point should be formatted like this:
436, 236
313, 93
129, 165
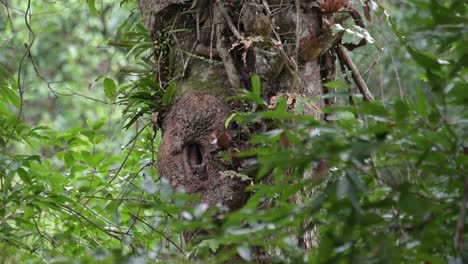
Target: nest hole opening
194, 155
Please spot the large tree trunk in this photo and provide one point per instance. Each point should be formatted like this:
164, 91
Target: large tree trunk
216, 47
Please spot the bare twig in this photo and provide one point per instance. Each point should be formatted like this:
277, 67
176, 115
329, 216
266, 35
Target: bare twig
222, 51
267, 7
344, 57
348, 81
458, 239
72, 93
212, 33
42, 234
298, 30
134, 140
27, 18
397, 76
135, 217
377, 171
290, 63
7, 11
82, 217
197, 17
228, 19
157, 231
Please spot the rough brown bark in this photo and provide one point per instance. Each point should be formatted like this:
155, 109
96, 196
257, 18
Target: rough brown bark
221, 45
188, 156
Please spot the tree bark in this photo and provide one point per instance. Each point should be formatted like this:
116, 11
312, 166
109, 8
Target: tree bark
216, 47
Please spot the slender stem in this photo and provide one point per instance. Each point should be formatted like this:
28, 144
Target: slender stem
228, 19
344, 57
228, 62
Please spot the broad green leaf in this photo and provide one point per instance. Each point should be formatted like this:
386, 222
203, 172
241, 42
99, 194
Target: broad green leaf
110, 88
9, 95
426, 60
414, 205
212, 244
373, 109
24, 174
92, 8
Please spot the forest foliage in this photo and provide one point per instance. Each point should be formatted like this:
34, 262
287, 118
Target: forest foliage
78, 174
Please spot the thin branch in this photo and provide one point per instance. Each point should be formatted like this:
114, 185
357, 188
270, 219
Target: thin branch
222, 51
135, 217
212, 34
72, 93
157, 231
81, 216
27, 19
397, 76
360, 83
348, 81
267, 7
290, 63
7, 11
298, 30
27, 16
112, 199
377, 171
134, 140
42, 234
228, 19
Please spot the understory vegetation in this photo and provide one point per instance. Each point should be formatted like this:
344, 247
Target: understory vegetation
79, 180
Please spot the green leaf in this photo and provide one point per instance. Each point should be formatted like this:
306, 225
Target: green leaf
24, 175
339, 85
229, 119
110, 89
92, 8
212, 244
256, 85
414, 205
342, 94
426, 60
133, 120
69, 160
422, 106
373, 109
169, 93
10, 95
